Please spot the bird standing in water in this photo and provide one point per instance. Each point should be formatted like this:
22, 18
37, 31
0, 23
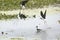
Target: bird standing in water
38, 30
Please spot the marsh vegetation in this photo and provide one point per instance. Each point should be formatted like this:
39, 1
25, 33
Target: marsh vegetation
4, 16
15, 4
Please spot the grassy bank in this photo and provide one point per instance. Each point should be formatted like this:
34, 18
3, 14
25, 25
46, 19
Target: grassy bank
4, 16
15, 4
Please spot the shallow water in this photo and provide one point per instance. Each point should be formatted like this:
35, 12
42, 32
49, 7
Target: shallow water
27, 28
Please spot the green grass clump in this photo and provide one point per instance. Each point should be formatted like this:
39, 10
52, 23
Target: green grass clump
15, 4
4, 16
16, 38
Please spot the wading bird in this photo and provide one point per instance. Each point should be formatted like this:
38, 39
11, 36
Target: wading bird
22, 16
38, 30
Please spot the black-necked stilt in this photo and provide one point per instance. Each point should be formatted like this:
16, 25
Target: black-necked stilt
22, 16
38, 30
43, 15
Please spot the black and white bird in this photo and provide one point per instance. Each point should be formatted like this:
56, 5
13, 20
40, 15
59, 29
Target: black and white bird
43, 15
38, 30
23, 2
22, 16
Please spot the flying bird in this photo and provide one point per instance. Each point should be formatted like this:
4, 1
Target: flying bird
43, 15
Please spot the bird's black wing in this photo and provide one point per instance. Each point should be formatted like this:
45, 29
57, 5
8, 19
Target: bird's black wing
42, 15
45, 15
